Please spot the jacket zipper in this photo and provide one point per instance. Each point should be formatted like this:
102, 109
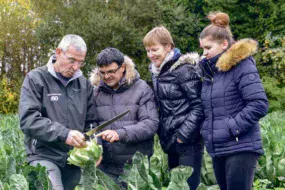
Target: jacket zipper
212, 81
113, 111
67, 111
210, 97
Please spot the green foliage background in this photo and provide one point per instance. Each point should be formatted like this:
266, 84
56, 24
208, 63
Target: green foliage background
31, 30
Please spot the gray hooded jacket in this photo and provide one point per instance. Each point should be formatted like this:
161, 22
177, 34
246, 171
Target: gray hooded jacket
48, 110
137, 129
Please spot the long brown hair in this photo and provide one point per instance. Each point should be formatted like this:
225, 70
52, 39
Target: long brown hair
219, 29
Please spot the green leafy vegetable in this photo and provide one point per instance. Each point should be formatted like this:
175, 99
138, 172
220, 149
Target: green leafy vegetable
141, 175
82, 156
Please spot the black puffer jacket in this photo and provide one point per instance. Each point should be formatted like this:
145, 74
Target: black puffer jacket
177, 90
136, 129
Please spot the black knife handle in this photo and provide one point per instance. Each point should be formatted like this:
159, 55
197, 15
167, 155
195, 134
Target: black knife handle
87, 138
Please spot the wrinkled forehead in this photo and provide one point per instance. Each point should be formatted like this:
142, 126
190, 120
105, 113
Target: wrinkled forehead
76, 53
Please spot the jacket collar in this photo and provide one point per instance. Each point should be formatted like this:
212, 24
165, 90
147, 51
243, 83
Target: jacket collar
51, 70
129, 78
208, 66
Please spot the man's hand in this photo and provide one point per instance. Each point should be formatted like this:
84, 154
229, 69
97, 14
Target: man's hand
109, 135
76, 139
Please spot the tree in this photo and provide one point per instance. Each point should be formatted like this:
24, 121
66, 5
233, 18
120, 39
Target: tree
121, 24
19, 49
251, 18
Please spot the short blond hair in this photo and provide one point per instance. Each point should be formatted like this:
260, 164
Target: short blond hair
160, 35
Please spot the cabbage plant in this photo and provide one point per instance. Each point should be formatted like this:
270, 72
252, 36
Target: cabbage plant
82, 157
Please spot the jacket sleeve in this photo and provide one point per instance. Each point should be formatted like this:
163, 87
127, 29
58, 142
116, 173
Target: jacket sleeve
147, 120
191, 84
252, 92
32, 123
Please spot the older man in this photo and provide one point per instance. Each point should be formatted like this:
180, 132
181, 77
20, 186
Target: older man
118, 88
56, 106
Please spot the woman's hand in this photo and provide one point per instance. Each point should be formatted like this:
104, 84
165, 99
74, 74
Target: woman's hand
179, 141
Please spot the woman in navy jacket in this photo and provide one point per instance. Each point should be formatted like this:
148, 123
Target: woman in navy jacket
234, 100
177, 88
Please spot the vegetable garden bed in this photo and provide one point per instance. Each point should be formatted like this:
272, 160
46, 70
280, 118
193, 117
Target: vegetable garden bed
16, 174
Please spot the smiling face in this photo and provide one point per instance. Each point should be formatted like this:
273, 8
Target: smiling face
157, 53
63, 64
112, 74
212, 47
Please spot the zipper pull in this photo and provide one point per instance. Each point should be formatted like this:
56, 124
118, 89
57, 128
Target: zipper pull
236, 138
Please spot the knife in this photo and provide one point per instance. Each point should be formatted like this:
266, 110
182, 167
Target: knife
92, 131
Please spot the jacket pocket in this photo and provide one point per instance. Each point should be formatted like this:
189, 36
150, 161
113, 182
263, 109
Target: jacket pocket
221, 131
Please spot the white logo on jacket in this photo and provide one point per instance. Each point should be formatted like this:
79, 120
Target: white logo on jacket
54, 96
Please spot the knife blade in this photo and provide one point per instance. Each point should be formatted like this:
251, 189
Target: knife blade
92, 131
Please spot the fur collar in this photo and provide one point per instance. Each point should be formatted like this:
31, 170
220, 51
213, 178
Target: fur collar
130, 73
237, 52
189, 58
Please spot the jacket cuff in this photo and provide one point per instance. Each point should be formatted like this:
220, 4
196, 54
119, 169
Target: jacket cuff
64, 134
234, 128
99, 140
183, 139
122, 134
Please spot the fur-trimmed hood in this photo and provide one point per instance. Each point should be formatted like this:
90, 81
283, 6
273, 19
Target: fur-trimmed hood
237, 52
189, 58
130, 74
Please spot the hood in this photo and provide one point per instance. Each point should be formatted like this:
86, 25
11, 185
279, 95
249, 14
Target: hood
189, 58
130, 74
237, 52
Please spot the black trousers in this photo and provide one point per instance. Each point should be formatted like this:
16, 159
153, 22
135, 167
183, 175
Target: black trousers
187, 155
235, 172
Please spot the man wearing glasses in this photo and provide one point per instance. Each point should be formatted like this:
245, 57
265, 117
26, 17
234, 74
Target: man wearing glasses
56, 107
118, 87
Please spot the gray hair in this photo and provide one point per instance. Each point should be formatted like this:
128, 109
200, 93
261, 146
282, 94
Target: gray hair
74, 40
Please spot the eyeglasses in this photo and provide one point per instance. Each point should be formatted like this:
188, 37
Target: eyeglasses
72, 61
111, 72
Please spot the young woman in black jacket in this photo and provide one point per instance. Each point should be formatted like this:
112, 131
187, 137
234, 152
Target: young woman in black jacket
177, 88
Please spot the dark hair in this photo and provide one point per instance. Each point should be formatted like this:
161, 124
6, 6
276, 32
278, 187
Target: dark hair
109, 55
219, 29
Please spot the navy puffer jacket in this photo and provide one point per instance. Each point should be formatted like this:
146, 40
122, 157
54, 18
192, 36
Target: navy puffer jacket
177, 89
234, 100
